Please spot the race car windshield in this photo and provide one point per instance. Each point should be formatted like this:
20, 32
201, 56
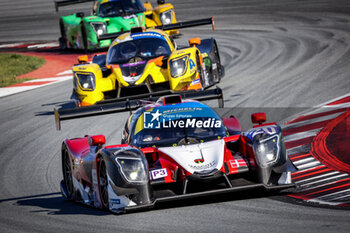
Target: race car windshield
145, 48
170, 135
120, 8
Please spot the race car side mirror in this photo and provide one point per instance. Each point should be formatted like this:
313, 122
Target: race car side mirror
258, 118
83, 59
97, 140
194, 41
159, 61
159, 2
232, 124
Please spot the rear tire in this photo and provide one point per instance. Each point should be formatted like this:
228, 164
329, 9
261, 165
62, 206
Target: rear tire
67, 173
84, 38
215, 58
203, 80
103, 184
63, 39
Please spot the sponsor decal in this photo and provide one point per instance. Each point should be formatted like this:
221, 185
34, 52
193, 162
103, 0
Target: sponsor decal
131, 78
199, 161
192, 123
133, 64
164, 6
146, 34
179, 52
196, 81
203, 166
114, 201
129, 17
151, 120
159, 173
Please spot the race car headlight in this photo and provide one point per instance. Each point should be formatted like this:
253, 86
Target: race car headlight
86, 81
178, 66
132, 169
166, 17
99, 28
267, 149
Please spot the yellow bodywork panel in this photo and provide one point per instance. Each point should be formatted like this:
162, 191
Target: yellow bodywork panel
148, 7
153, 16
189, 76
150, 23
88, 96
156, 74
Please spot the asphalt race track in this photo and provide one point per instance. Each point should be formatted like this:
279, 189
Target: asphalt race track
285, 55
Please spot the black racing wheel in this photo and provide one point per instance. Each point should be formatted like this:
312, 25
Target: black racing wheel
67, 173
215, 59
63, 39
203, 80
103, 183
84, 38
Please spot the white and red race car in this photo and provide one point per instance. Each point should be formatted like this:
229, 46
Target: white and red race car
174, 148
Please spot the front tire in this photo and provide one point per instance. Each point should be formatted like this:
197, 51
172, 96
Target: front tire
103, 184
67, 173
84, 38
203, 78
63, 39
215, 58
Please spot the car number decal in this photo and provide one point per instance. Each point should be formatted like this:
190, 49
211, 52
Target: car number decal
192, 64
159, 173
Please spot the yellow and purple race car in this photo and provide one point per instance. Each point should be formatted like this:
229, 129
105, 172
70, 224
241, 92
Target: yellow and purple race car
147, 61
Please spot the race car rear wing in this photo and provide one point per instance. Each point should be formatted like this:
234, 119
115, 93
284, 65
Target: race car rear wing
130, 103
69, 2
186, 24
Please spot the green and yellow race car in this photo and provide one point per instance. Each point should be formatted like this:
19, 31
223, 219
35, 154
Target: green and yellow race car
147, 61
110, 16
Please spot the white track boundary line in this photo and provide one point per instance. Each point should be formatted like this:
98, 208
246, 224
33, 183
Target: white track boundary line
311, 110
6, 91
65, 72
301, 135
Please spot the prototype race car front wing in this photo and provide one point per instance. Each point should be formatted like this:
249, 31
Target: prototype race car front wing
160, 200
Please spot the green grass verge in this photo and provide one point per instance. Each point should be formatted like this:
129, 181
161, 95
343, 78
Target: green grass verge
13, 65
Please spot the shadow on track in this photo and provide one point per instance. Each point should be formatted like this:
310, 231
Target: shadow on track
59, 105
54, 204
221, 198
